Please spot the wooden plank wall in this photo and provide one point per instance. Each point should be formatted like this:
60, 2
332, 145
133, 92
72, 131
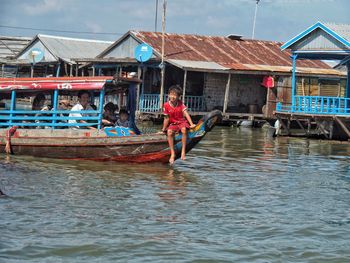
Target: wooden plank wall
307, 86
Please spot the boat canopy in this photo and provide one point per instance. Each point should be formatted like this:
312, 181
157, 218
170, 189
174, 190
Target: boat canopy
56, 118
42, 84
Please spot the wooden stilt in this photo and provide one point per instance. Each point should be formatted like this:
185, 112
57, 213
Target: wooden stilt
308, 126
283, 125
331, 128
301, 126
288, 126
343, 126
322, 129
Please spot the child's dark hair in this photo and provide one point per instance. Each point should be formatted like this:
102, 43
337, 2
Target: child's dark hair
81, 92
123, 111
110, 106
175, 88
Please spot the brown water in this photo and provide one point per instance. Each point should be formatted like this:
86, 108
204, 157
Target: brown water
239, 197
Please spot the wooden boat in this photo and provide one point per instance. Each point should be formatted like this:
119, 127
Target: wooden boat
110, 144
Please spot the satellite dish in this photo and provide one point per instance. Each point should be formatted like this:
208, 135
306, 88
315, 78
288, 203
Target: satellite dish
35, 55
143, 52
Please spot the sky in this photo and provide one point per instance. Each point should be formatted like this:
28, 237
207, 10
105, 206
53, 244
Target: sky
276, 20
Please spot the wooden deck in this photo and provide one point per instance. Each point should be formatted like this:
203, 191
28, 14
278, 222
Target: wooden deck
331, 127
228, 118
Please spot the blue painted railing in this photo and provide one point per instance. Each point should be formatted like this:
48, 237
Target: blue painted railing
52, 118
150, 102
317, 105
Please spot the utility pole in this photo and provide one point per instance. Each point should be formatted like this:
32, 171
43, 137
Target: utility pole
161, 95
156, 18
256, 11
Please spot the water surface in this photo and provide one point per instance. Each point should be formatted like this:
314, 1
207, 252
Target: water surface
239, 197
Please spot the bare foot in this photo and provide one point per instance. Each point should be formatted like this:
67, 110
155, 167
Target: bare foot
172, 159
183, 157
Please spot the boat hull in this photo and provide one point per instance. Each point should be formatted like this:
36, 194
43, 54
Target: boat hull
97, 146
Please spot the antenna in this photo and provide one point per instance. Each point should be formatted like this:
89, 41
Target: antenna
156, 17
162, 63
256, 11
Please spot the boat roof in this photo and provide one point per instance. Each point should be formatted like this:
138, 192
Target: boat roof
59, 83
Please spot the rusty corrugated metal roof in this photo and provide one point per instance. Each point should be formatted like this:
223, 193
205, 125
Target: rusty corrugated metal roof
197, 65
285, 69
233, 53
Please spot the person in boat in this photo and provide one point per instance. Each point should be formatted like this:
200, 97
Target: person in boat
39, 102
39, 105
83, 104
176, 119
123, 120
109, 117
64, 105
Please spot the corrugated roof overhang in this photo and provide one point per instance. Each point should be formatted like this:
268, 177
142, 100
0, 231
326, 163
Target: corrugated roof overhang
198, 65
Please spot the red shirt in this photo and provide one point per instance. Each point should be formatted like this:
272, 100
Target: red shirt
175, 114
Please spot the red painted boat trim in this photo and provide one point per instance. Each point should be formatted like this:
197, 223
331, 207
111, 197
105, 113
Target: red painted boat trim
97, 144
162, 156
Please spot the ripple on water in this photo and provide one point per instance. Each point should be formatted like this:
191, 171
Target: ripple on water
239, 197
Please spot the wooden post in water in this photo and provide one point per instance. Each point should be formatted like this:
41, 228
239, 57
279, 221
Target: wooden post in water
343, 126
301, 126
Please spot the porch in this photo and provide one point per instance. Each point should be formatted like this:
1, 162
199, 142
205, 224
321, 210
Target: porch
150, 103
319, 105
315, 116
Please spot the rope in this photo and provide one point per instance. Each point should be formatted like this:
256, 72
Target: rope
9, 134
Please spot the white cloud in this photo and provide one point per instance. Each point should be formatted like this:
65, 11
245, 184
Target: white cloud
93, 27
42, 7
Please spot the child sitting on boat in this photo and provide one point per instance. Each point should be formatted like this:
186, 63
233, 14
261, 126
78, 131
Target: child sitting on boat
109, 117
176, 119
123, 120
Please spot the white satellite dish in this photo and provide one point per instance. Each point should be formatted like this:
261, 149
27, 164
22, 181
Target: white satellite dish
35, 55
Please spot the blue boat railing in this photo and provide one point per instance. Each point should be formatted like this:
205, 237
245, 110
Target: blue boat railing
47, 119
150, 102
317, 105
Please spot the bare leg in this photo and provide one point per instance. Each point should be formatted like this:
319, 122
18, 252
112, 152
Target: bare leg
183, 140
171, 146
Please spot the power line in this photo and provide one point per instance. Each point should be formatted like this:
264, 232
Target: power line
61, 31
